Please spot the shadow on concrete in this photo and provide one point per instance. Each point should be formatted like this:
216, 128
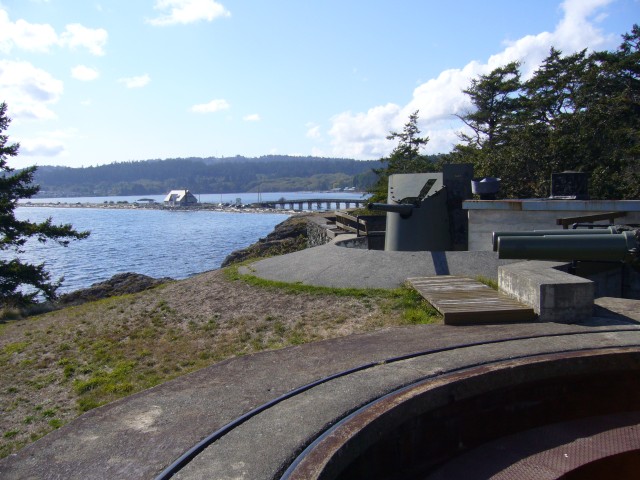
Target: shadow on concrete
603, 316
440, 264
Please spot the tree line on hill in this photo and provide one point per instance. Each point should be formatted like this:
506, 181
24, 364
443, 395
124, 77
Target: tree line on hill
206, 175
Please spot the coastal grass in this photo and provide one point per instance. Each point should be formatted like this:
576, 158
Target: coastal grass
489, 282
57, 365
233, 273
414, 309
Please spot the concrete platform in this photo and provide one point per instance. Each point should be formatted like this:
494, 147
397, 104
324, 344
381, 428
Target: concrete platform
334, 266
139, 436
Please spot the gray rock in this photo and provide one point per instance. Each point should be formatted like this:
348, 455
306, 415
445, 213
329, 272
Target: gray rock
120, 284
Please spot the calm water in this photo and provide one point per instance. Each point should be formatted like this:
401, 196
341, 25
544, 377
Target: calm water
152, 242
157, 243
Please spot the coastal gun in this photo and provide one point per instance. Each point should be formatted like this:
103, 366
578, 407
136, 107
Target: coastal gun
614, 244
417, 217
544, 233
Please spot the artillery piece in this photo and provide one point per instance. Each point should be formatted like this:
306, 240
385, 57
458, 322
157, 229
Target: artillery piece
613, 244
417, 217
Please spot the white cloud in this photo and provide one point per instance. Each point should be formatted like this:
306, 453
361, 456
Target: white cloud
313, 131
28, 90
83, 73
25, 35
212, 106
47, 144
76, 35
41, 147
41, 37
187, 11
253, 117
362, 135
135, 82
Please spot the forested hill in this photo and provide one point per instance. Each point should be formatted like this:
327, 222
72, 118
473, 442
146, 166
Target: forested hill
207, 175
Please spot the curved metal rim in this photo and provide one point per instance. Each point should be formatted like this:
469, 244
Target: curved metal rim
322, 454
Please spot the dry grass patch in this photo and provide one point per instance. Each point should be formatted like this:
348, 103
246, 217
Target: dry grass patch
57, 365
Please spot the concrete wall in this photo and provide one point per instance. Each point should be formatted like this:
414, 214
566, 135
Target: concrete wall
487, 216
322, 230
318, 231
554, 295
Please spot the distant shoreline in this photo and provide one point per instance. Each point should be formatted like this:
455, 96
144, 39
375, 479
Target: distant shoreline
209, 207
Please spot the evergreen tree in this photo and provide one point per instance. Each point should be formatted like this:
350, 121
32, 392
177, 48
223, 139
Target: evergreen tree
490, 144
15, 273
405, 158
577, 112
495, 100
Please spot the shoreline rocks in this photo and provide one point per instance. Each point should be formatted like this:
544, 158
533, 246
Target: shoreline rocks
286, 237
120, 284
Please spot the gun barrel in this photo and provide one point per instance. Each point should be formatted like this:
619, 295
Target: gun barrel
598, 247
541, 233
404, 210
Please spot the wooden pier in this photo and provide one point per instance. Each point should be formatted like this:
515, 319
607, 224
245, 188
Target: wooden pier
464, 301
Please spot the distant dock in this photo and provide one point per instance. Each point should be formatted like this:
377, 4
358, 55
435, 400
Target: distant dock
310, 202
275, 206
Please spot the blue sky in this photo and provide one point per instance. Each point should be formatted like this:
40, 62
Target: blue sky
90, 82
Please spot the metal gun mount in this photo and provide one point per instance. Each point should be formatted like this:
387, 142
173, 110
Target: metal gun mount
417, 217
617, 244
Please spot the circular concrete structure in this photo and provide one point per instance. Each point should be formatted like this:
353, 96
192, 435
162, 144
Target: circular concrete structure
496, 420
412, 401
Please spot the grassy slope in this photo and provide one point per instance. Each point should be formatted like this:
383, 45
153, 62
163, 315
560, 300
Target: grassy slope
55, 366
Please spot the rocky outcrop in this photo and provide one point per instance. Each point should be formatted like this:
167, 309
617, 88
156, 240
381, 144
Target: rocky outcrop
288, 236
121, 284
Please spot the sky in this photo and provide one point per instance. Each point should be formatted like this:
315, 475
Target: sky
90, 82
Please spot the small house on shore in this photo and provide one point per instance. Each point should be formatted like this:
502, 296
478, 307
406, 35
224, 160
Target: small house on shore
180, 198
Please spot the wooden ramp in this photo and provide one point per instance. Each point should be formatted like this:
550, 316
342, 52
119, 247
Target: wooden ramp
464, 301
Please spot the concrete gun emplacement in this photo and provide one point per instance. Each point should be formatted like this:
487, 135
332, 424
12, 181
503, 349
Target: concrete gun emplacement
612, 244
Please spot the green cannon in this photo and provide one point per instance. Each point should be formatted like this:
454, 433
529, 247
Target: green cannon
417, 218
543, 233
611, 244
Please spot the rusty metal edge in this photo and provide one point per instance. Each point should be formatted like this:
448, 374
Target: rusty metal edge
317, 460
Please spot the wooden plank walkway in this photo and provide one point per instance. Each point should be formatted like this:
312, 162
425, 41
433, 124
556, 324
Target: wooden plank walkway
464, 301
